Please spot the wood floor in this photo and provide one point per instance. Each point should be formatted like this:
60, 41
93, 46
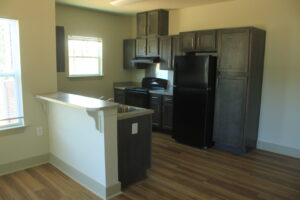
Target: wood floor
178, 173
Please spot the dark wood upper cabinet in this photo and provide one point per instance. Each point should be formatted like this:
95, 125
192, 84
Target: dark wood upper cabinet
238, 91
152, 46
206, 40
141, 19
198, 41
153, 18
153, 23
188, 41
234, 50
169, 48
176, 49
141, 47
165, 51
60, 49
129, 53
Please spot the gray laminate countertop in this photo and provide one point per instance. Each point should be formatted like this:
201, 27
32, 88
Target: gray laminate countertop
135, 112
77, 101
162, 92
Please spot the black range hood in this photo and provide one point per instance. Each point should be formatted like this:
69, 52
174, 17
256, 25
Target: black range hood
145, 60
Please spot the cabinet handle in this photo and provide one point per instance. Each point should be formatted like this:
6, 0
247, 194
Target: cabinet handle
193, 42
198, 42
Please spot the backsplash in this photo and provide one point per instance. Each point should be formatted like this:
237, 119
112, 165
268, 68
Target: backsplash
154, 71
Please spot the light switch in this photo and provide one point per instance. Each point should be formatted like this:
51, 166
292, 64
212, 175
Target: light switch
134, 128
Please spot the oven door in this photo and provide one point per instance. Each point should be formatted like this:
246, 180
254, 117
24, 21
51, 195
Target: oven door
137, 98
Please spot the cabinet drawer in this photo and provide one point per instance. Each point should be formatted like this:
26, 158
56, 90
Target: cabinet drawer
155, 97
168, 99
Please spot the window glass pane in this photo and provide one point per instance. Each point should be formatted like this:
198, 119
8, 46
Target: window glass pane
84, 66
85, 56
83, 48
8, 98
6, 61
10, 79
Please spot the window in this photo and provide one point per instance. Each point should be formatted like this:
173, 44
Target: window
85, 56
11, 107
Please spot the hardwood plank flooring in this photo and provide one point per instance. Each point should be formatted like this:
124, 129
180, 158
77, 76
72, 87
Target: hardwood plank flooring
179, 172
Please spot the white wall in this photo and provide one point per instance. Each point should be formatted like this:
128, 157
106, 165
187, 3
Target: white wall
37, 41
280, 111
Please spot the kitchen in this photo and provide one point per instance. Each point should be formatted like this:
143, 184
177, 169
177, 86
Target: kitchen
98, 24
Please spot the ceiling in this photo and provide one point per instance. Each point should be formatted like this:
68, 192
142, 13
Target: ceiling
145, 5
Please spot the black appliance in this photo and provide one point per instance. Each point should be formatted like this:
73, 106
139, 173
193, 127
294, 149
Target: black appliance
139, 97
193, 93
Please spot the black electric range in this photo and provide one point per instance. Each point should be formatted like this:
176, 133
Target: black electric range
139, 96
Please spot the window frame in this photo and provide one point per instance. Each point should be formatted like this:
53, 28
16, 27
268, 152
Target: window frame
16, 62
100, 57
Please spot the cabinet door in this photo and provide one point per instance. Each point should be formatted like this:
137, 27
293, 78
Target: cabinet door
152, 46
188, 41
141, 45
60, 49
155, 105
176, 49
153, 18
206, 41
233, 47
230, 106
167, 113
128, 53
156, 117
165, 51
141, 24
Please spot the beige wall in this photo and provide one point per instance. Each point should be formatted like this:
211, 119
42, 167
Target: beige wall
280, 111
112, 28
37, 38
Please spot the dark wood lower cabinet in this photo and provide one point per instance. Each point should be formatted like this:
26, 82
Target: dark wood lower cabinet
155, 105
162, 118
167, 113
134, 150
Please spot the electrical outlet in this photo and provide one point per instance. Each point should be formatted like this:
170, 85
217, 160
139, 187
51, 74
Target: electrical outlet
39, 131
134, 128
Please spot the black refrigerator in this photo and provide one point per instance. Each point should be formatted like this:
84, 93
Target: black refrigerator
193, 93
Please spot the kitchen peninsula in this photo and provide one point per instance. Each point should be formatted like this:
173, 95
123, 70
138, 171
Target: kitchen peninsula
101, 144
83, 140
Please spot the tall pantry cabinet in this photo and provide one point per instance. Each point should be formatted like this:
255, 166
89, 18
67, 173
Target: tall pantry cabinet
238, 88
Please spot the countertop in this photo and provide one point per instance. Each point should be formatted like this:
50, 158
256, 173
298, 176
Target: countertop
77, 101
123, 87
162, 92
135, 113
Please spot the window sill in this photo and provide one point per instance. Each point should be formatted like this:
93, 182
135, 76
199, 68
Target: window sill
87, 75
13, 127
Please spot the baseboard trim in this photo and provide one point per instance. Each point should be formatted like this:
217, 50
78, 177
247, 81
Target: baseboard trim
288, 151
23, 164
90, 184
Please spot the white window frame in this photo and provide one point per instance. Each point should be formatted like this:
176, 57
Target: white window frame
100, 57
16, 61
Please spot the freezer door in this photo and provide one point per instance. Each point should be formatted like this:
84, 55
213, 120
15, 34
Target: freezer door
191, 71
